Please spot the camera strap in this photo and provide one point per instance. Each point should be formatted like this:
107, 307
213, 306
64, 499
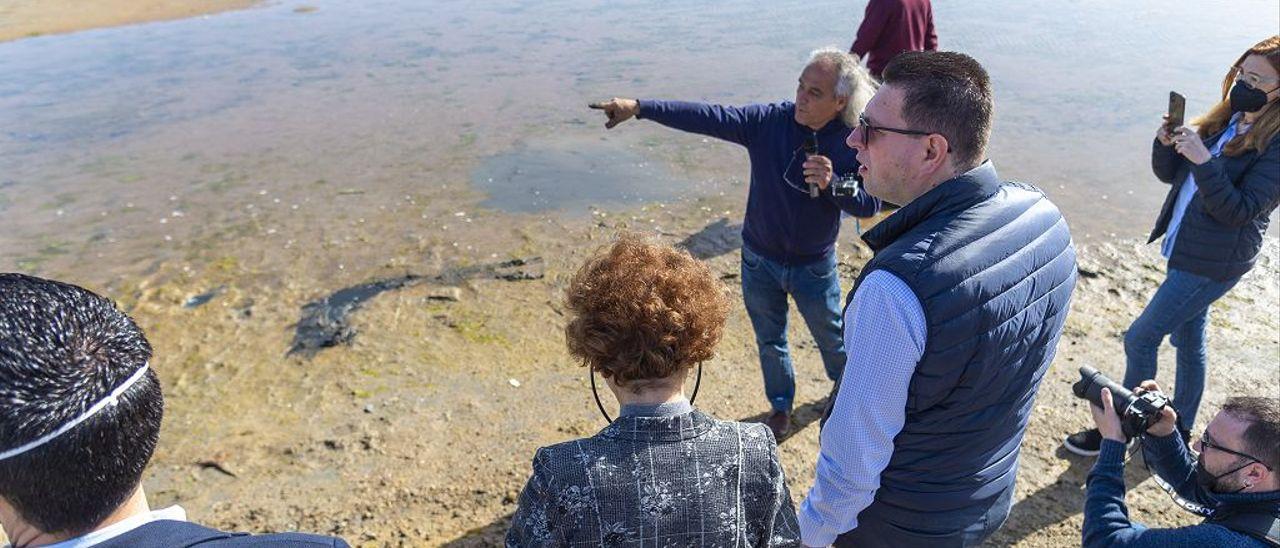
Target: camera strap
1258, 522
1197, 509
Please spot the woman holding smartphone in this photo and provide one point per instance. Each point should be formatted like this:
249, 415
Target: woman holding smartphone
1225, 182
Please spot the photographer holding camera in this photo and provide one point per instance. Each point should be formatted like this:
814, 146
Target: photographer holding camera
1235, 477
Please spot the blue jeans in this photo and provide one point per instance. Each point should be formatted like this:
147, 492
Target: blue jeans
1180, 309
816, 290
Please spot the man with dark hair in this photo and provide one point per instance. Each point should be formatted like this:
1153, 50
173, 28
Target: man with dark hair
950, 326
80, 411
1235, 478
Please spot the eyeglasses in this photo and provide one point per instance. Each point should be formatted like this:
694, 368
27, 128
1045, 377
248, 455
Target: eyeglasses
797, 155
1253, 80
867, 128
1207, 442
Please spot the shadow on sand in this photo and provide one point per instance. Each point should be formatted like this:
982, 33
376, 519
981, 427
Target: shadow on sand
1057, 501
800, 417
492, 534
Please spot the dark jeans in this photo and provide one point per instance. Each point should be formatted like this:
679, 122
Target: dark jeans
816, 290
937, 530
1180, 310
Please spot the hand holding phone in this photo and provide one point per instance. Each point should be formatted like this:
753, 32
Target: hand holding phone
1173, 119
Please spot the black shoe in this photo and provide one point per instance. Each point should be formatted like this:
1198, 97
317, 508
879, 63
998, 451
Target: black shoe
780, 423
1086, 443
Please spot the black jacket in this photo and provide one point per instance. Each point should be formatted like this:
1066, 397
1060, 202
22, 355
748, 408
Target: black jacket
181, 534
683, 480
1221, 231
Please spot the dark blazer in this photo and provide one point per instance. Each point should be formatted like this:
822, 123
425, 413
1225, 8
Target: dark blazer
683, 480
182, 534
1221, 231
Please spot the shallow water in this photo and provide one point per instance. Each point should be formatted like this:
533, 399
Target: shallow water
571, 177
147, 135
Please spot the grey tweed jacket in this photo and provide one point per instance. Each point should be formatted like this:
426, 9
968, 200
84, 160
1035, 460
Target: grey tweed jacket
683, 480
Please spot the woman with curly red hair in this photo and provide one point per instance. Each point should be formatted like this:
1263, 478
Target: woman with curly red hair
642, 315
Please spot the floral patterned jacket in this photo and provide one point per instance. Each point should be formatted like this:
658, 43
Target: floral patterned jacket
683, 480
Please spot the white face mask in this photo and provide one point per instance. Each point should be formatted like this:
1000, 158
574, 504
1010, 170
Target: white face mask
110, 400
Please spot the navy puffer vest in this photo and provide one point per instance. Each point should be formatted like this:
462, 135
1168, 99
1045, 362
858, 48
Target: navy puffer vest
993, 266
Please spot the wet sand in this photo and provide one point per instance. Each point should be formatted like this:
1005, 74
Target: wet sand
29, 18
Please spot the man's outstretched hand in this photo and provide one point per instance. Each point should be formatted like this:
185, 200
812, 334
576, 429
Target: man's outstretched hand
618, 110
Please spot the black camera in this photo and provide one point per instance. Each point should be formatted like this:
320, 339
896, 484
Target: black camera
1137, 411
846, 186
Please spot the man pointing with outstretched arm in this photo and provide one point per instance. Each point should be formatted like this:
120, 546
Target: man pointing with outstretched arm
789, 233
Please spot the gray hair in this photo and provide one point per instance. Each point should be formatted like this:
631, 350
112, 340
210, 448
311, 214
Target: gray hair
853, 81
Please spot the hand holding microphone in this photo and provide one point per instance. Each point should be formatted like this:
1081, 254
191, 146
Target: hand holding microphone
817, 168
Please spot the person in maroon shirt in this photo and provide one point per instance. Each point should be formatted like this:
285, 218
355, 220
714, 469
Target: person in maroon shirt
891, 27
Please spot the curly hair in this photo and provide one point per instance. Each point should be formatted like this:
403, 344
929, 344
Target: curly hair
643, 311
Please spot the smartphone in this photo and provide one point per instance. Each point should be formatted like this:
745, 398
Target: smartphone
1177, 110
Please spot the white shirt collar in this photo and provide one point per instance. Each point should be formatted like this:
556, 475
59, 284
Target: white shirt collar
173, 513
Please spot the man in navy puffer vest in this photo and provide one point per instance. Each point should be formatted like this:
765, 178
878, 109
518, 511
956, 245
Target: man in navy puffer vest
951, 325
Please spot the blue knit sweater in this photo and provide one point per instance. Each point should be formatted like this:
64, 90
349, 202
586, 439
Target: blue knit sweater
782, 222
1106, 519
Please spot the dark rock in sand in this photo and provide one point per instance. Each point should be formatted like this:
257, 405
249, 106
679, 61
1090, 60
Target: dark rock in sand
513, 271
324, 322
201, 299
448, 294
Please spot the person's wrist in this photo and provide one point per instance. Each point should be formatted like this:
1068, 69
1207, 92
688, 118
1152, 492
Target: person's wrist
1111, 450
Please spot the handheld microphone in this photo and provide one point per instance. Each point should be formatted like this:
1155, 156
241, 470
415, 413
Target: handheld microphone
811, 148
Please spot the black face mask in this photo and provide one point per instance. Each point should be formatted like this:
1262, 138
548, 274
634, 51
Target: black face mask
1208, 481
1245, 98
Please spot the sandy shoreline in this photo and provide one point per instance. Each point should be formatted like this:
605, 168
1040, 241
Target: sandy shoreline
29, 18
415, 434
